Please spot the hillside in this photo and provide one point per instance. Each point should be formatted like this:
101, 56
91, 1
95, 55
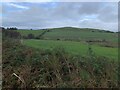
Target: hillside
74, 40
96, 36
79, 34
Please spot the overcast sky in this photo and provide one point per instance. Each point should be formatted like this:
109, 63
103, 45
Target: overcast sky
102, 15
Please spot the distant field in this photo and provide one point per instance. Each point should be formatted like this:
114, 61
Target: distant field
80, 34
73, 47
73, 40
75, 34
26, 32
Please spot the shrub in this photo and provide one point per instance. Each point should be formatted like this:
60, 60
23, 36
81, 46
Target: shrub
30, 36
11, 34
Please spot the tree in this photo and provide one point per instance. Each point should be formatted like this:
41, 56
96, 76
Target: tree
12, 28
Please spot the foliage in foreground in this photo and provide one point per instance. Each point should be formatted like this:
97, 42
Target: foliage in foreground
39, 68
25, 67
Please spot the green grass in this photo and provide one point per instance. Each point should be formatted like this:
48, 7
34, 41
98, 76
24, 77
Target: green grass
72, 47
80, 34
76, 34
26, 32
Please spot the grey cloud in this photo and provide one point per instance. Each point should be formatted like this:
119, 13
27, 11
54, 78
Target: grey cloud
109, 13
91, 7
98, 23
94, 15
104, 10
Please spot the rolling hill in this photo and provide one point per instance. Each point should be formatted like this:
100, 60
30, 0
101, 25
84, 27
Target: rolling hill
96, 36
75, 40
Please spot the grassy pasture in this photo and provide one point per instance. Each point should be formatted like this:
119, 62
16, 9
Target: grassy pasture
26, 32
73, 47
80, 34
68, 36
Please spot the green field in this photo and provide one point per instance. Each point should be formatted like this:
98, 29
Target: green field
72, 47
26, 32
98, 37
74, 40
80, 34
76, 34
